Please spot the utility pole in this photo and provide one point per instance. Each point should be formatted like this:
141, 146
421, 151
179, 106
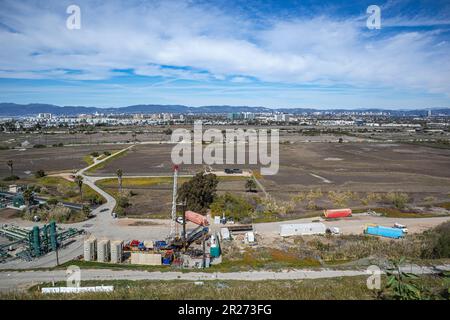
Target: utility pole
57, 257
204, 250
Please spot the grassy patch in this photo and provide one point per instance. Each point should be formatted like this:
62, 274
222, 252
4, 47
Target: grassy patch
102, 164
341, 288
445, 205
397, 213
65, 190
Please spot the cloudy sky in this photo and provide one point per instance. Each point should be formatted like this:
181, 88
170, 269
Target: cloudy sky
260, 53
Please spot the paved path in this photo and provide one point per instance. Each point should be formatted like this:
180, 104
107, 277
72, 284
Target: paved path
13, 281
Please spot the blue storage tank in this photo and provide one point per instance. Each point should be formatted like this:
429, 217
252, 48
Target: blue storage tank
388, 232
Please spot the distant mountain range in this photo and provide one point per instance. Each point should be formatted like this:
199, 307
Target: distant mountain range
21, 110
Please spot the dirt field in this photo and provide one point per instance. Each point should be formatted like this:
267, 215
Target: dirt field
154, 159
155, 199
50, 159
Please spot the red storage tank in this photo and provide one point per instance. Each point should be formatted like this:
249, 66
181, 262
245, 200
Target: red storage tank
196, 218
337, 213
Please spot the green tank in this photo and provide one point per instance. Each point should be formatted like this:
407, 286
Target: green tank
36, 241
53, 236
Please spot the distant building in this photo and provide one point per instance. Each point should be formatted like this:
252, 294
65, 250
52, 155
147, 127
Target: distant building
44, 116
234, 116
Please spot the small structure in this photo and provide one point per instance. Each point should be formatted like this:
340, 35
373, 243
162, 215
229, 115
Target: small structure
225, 233
302, 229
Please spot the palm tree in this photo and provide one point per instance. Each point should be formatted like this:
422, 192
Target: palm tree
79, 181
10, 164
119, 173
134, 136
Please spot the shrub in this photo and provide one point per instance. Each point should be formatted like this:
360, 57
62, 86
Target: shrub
123, 202
95, 154
52, 201
11, 178
39, 146
232, 206
399, 200
40, 174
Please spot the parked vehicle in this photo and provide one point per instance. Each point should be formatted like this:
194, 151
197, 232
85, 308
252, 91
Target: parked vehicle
401, 226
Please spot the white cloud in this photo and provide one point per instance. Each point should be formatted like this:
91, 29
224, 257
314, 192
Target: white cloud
205, 43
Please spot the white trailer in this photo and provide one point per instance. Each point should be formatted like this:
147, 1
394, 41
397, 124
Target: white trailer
302, 229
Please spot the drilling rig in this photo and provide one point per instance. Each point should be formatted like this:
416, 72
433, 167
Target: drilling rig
173, 225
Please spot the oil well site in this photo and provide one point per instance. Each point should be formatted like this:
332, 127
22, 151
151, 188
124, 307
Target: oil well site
337, 200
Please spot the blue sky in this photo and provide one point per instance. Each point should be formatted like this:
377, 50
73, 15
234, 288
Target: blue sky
259, 53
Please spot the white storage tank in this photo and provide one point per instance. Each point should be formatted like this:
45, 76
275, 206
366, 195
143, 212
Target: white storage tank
301, 229
103, 250
90, 248
116, 251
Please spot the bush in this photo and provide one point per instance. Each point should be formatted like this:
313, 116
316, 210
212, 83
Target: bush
439, 242
233, 206
40, 174
58, 145
107, 153
94, 199
399, 200
95, 154
123, 202
11, 178
52, 201
39, 146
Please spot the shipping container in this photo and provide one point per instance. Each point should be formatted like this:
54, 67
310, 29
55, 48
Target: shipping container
337, 213
381, 231
196, 218
300, 229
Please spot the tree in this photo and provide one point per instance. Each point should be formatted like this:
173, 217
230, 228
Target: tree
79, 181
250, 185
28, 197
199, 192
86, 211
10, 164
119, 173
